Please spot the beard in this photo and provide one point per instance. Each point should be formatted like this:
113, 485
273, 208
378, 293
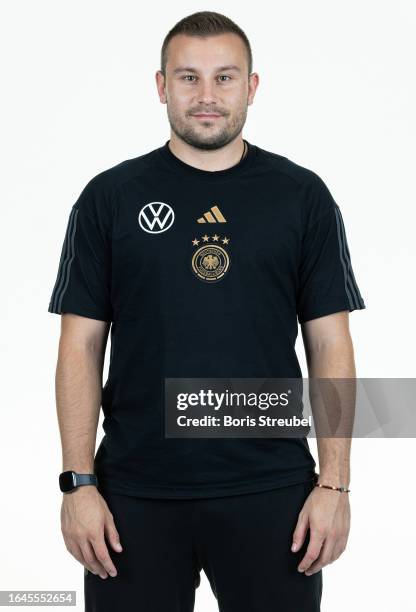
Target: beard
207, 136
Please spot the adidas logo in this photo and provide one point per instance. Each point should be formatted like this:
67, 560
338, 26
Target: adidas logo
214, 215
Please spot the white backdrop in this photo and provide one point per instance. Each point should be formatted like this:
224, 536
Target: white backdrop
337, 95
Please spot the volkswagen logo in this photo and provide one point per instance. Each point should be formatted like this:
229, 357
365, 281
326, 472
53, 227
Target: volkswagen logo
156, 217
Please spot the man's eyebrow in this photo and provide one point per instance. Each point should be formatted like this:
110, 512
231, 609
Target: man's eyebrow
219, 69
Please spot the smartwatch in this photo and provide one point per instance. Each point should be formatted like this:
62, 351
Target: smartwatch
69, 481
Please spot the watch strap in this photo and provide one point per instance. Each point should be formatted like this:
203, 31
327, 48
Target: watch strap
85, 479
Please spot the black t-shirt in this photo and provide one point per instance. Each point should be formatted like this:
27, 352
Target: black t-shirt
201, 274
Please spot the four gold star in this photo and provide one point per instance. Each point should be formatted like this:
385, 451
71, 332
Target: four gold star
215, 238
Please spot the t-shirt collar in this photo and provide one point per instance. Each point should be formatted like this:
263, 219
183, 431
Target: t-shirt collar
234, 171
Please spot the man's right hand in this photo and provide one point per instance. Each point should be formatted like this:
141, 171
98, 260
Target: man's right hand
85, 522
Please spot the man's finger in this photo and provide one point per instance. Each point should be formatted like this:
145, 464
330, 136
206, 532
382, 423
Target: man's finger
332, 555
90, 560
340, 546
75, 550
102, 554
324, 557
299, 534
112, 534
313, 550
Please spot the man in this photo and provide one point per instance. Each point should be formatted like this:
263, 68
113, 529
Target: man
201, 256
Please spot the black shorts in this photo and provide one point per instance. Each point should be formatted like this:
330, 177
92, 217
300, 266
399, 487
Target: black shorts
241, 542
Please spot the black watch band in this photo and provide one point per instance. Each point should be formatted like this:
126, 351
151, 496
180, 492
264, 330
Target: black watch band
70, 480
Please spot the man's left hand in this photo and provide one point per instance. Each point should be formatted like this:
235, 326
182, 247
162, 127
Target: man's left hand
327, 514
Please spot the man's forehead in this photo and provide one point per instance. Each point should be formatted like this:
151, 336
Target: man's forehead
219, 51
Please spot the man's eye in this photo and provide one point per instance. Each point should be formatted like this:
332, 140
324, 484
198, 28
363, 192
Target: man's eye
222, 77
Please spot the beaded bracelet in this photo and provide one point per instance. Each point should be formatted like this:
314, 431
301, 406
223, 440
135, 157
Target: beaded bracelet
322, 486
340, 489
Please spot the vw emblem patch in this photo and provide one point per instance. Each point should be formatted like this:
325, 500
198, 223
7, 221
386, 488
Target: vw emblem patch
156, 217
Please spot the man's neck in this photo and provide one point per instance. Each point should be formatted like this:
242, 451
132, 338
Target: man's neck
210, 160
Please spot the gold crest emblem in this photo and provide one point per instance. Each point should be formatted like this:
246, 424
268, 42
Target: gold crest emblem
210, 261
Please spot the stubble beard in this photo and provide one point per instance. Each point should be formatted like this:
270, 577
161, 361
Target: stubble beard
208, 137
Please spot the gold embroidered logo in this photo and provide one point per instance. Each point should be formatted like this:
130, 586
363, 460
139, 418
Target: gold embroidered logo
214, 215
210, 261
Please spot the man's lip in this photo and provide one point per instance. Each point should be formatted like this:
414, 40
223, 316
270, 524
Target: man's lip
206, 115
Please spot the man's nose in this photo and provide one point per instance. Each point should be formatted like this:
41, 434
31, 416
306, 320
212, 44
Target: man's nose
206, 92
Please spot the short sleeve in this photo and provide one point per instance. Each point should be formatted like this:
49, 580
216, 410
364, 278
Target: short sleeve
83, 280
326, 281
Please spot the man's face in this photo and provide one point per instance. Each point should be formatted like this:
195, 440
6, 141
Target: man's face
207, 88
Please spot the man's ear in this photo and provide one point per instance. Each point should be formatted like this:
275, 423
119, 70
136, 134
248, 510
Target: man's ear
253, 83
160, 84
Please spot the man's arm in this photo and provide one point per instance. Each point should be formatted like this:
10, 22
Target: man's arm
78, 384
85, 516
329, 354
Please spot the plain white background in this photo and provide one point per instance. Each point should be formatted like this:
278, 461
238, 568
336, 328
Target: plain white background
337, 95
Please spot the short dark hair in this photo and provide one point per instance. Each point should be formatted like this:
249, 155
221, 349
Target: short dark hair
205, 23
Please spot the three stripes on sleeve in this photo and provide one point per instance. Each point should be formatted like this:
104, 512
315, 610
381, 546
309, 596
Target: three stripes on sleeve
65, 262
355, 300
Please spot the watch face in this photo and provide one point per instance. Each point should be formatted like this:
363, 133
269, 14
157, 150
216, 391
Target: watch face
67, 481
